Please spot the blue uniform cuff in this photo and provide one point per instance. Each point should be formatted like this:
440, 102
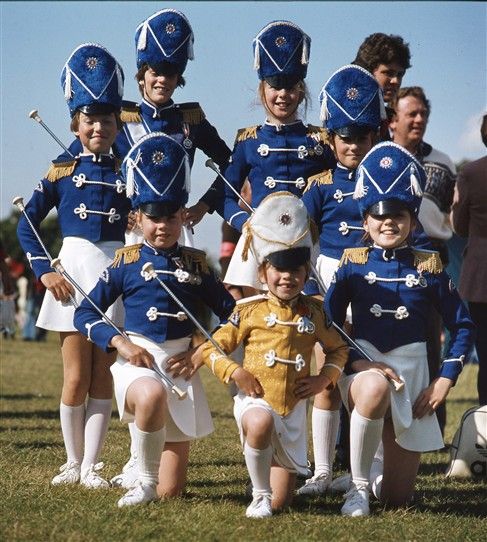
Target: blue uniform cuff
451, 368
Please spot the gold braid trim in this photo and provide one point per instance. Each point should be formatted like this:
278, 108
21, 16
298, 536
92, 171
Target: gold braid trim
325, 177
58, 171
130, 254
318, 134
358, 255
130, 114
195, 260
427, 261
193, 115
246, 133
248, 241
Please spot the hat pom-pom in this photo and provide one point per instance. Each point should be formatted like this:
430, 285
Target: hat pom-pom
324, 113
305, 51
187, 175
382, 106
415, 186
67, 84
142, 42
119, 80
359, 191
130, 182
191, 48
257, 55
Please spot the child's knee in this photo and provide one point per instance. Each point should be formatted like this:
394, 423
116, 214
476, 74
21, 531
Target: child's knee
257, 423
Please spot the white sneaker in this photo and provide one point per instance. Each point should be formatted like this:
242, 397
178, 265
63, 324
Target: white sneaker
92, 480
139, 494
260, 507
129, 476
340, 485
70, 473
316, 485
357, 501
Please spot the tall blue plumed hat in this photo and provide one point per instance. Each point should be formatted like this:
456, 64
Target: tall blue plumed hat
281, 54
389, 178
92, 80
351, 102
157, 174
165, 38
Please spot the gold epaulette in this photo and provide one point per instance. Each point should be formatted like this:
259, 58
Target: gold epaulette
249, 300
130, 112
318, 134
246, 133
358, 255
427, 261
195, 260
192, 112
324, 177
130, 254
60, 170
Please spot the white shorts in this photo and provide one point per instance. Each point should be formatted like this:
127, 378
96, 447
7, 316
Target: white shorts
84, 261
289, 436
411, 365
188, 418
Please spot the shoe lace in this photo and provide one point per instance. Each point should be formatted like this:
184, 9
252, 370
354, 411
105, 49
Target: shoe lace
353, 494
68, 465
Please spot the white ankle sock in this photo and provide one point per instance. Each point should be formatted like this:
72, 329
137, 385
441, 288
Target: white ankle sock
365, 436
324, 424
98, 412
149, 450
259, 467
73, 428
133, 439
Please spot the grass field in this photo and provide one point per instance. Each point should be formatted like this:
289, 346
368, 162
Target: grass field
214, 505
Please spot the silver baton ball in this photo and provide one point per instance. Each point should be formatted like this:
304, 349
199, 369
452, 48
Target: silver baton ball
150, 273
35, 116
56, 264
18, 201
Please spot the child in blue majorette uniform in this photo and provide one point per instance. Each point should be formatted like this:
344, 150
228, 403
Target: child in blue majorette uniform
391, 287
156, 171
92, 206
351, 110
283, 153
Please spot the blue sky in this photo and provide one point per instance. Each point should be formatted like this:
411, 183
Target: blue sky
447, 41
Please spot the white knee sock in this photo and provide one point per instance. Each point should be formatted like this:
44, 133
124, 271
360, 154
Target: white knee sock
149, 449
259, 467
365, 436
73, 427
377, 470
324, 424
98, 412
133, 439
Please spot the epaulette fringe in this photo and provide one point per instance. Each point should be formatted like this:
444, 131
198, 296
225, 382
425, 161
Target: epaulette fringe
130, 254
318, 133
358, 255
427, 262
130, 114
193, 116
246, 133
324, 177
58, 171
195, 260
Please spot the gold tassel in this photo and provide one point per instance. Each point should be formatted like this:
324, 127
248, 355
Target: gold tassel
318, 134
358, 255
313, 229
193, 116
130, 254
248, 242
428, 262
130, 115
246, 133
325, 177
195, 260
58, 171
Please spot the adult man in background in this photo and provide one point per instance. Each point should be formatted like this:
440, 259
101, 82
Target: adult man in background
408, 126
469, 218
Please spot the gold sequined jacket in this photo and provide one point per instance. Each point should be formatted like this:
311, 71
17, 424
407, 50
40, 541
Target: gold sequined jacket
278, 339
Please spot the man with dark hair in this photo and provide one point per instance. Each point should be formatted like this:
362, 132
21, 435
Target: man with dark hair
387, 58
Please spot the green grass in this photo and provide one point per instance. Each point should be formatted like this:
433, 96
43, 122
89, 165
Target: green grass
214, 505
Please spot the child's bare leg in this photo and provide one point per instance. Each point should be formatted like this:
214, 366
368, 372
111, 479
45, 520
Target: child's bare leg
173, 469
283, 483
400, 470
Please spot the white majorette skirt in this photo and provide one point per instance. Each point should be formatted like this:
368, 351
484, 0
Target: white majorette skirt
84, 261
240, 273
188, 418
289, 436
411, 365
